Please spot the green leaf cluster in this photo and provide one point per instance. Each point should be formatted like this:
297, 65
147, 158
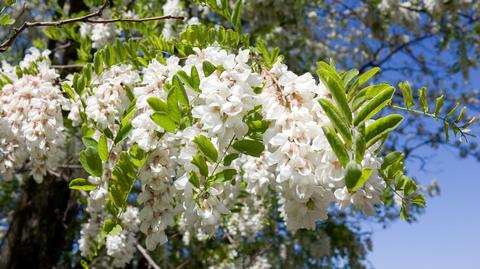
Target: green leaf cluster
454, 120
351, 110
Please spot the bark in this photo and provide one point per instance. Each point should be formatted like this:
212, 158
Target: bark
37, 233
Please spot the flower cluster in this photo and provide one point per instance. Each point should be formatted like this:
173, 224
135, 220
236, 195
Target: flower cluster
31, 121
298, 163
121, 247
109, 99
180, 182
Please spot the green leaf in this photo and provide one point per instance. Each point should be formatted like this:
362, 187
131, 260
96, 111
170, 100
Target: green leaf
108, 226
452, 111
108, 56
422, 95
358, 101
84, 264
409, 187
195, 78
128, 116
77, 84
98, 63
81, 184
206, 147
353, 172
173, 109
249, 147
404, 212
460, 115
227, 160
87, 132
186, 79
109, 205
419, 200
163, 120
329, 69
199, 161
236, 15
349, 76
91, 162
446, 126
208, 68
117, 197
6, 20
87, 73
400, 181
438, 104
137, 155
116, 230
337, 92
374, 106
391, 158
360, 143
337, 145
362, 79
373, 90
181, 93
194, 179
381, 127
407, 94
223, 176
337, 120
103, 148
367, 76
122, 134
352, 182
68, 90
123, 174
157, 104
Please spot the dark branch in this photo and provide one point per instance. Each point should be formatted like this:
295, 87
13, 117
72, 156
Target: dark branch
87, 18
373, 63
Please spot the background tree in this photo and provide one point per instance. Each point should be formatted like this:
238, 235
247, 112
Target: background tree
410, 40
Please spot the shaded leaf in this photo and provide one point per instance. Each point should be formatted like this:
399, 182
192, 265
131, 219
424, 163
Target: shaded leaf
249, 147
81, 184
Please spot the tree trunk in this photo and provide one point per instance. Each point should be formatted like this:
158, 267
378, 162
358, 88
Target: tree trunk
37, 232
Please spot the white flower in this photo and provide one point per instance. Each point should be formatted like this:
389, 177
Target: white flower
31, 107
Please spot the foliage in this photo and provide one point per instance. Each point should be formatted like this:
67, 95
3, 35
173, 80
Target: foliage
204, 133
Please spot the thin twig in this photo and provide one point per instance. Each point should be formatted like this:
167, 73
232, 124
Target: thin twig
149, 259
62, 46
67, 66
70, 166
183, 264
86, 18
136, 20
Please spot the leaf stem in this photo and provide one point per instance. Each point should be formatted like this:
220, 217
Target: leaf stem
223, 155
434, 116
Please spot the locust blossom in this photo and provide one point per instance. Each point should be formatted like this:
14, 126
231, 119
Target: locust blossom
32, 130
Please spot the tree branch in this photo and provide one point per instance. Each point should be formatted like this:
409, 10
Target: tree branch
373, 63
149, 259
86, 18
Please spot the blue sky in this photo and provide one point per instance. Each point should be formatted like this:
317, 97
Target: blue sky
448, 234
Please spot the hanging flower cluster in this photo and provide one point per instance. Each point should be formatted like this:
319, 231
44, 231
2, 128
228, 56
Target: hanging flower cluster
31, 121
210, 139
190, 120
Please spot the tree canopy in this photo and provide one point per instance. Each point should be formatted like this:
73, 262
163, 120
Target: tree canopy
223, 134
